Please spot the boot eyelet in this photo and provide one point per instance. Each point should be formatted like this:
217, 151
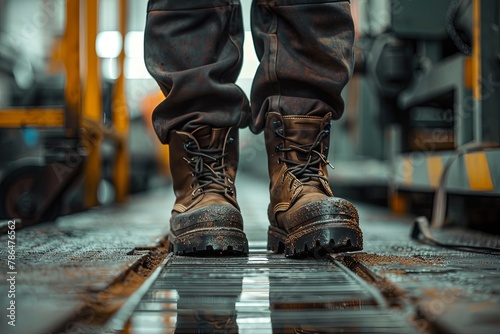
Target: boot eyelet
279, 161
278, 147
276, 124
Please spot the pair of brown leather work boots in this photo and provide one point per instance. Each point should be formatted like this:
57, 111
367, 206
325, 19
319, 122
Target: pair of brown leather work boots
304, 215
194, 50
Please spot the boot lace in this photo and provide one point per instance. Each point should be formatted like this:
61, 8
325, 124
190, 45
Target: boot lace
309, 169
207, 169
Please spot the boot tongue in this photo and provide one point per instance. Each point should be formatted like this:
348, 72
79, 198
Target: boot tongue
301, 130
209, 138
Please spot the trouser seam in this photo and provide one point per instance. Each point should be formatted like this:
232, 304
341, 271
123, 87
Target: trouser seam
235, 44
238, 61
273, 62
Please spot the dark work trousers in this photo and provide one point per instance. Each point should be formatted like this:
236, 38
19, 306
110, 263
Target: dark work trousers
194, 50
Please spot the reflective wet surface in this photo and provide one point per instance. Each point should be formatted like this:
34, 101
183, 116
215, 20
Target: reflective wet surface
264, 293
95, 254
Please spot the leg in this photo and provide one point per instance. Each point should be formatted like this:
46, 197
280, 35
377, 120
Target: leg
193, 49
306, 57
305, 49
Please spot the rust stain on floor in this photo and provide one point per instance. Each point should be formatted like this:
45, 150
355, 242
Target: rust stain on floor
381, 260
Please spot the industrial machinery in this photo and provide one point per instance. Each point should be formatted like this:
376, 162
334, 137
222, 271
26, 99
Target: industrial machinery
428, 85
32, 189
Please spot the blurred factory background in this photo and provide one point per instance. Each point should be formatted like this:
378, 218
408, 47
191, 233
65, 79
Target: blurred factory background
422, 108
420, 137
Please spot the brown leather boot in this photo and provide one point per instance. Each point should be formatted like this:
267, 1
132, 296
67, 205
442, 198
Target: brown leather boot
206, 218
305, 216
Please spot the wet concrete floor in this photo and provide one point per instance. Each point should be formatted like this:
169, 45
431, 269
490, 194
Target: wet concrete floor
88, 273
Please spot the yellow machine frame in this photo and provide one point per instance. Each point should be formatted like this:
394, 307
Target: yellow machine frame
82, 115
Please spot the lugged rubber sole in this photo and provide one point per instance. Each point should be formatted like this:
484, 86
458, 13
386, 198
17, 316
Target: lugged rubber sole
215, 230
210, 242
316, 239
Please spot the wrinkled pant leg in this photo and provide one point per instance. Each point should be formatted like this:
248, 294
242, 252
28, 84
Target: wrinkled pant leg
305, 48
193, 49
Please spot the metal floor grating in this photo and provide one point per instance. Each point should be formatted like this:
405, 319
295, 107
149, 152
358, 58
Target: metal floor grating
262, 293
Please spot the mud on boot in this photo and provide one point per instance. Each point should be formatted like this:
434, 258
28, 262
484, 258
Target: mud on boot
206, 219
306, 218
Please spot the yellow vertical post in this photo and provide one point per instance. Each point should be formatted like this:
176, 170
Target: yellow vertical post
476, 69
92, 104
120, 116
71, 57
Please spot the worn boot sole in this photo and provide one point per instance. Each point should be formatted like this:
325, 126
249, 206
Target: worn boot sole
316, 240
209, 242
329, 225
207, 233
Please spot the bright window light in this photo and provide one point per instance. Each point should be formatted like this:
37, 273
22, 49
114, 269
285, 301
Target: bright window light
109, 44
134, 44
136, 69
110, 68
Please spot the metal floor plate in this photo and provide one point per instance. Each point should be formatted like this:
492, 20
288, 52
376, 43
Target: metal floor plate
262, 293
